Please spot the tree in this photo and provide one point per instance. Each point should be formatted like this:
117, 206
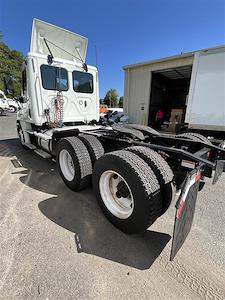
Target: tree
111, 98
121, 102
10, 65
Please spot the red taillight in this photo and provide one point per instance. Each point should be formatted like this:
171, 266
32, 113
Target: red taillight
210, 154
198, 177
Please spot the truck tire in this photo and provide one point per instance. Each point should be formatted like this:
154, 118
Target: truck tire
21, 135
12, 108
195, 137
201, 137
1, 112
162, 171
93, 146
127, 191
74, 163
145, 129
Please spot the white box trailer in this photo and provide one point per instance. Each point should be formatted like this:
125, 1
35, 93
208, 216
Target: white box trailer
206, 100
193, 83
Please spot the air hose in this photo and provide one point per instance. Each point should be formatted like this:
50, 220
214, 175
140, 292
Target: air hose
58, 115
59, 110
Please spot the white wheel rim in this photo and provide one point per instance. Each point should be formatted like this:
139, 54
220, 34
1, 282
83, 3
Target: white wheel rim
122, 206
11, 109
66, 165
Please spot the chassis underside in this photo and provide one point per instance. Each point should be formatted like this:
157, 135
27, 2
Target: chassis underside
181, 153
136, 179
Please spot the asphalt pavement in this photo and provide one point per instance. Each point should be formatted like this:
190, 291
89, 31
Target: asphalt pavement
57, 244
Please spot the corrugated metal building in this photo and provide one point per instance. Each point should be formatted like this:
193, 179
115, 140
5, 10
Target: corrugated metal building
158, 84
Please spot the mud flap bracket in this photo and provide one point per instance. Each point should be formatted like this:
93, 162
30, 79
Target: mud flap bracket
218, 170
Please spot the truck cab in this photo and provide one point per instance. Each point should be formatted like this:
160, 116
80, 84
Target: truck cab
55, 67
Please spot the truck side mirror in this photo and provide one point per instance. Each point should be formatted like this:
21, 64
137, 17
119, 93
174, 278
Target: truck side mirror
20, 99
8, 85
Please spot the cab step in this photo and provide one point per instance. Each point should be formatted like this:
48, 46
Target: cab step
30, 146
43, 136
42, 153
29, 131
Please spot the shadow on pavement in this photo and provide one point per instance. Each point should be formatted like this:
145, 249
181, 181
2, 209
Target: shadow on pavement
95, 235
80, 214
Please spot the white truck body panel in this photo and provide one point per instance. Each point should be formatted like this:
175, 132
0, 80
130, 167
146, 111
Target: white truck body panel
206, 101
66, 41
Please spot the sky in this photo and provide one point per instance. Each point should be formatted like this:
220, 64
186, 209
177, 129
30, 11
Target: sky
121, 32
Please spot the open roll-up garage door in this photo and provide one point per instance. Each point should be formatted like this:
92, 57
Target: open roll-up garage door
169, 90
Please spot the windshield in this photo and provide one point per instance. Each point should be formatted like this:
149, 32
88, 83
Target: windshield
82, 82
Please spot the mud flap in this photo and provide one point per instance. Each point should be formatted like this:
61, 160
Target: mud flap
185, 209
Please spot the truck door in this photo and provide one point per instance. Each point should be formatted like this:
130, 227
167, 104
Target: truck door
206, 101
85, 94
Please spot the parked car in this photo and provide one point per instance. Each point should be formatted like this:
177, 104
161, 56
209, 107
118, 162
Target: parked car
114, 116
4, 106
13, 105
118, 117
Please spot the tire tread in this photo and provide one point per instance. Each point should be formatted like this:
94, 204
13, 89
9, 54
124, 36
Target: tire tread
93, 146
157, 160
148, 182
82, 156
162, 171
195, 137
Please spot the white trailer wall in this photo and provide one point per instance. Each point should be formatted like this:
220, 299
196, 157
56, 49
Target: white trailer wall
206, 101
137, 87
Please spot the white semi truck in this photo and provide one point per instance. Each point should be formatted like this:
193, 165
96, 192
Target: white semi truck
135, 171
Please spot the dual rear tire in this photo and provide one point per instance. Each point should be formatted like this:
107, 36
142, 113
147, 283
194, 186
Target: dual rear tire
195, 137
161, 170
133, 186
75, 158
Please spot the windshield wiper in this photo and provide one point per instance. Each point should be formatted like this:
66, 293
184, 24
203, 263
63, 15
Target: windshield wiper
50, 57
84, 65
